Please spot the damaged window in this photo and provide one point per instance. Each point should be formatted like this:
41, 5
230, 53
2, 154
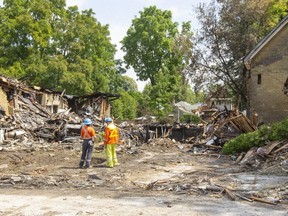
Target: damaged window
39, 98
259, 79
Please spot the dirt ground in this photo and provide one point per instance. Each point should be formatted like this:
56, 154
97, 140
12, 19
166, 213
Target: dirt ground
159, 178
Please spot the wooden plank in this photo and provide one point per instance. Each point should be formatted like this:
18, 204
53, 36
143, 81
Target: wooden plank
271, 146
242, 124
249, 122
213, 146
228, 192
235, 126
244, 198
281, 148
262, 200
248, 155
246, 125
239, 158
214, 188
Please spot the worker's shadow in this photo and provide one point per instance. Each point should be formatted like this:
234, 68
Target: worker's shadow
100, 165
99, 162
72, 167
96, 163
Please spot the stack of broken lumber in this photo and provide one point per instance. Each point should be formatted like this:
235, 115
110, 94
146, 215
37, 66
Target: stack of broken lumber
226, 125
273, 153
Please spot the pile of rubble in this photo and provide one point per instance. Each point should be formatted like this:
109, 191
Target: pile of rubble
225, 125
29, 115
32, 122
272, 158
26, 127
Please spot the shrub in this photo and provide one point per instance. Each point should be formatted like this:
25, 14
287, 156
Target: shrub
165, 120
242, 143
277, 131
191, 118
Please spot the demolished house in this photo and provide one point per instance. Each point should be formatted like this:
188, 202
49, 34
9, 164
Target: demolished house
220, 99
27, 110
97, 104
220, 122
33, 113
266, 74
14, 94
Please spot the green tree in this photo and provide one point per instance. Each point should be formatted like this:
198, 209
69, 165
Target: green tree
148, 45
125, 108
49, 45
159, 53
194, 97
86, 46
183, 47
129, 84
160, 97
122, 82
26, 29
229, 30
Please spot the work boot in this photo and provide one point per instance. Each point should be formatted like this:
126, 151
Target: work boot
109, 166
87, 165
81, 164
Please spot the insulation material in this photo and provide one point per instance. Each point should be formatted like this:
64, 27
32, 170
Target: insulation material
4, 105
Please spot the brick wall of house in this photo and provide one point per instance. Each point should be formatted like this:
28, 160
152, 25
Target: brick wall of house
269, 71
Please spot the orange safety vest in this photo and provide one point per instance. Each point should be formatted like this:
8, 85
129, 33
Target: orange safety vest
111, 134
87, 132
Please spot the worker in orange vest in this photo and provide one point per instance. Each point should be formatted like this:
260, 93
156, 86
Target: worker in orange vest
88, 135
111, 138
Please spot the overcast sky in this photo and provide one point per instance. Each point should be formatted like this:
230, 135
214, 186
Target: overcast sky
118, 14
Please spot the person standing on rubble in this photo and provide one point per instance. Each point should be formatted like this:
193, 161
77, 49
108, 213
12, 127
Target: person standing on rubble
111, 137
88, 135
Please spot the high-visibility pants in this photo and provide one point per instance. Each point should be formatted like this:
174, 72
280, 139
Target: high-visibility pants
111, 155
